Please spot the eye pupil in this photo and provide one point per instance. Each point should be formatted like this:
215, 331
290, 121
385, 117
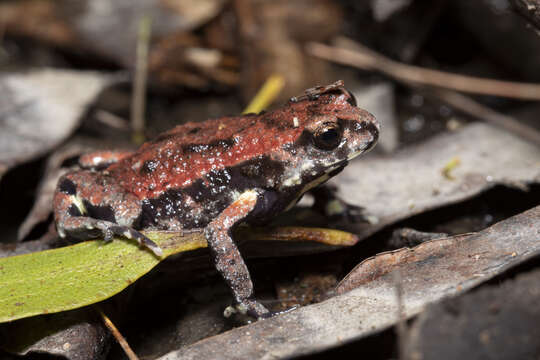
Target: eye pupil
330, 135
328, 138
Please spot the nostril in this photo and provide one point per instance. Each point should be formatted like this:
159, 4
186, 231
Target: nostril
371, 144
373, 130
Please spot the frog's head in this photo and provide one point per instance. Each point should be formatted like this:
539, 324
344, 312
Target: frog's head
330, 131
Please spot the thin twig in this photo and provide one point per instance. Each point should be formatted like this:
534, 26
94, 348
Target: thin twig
118, 336
474, 108
368, 59
111, 120
138, 103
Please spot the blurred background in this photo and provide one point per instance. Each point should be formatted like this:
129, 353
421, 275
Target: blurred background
208, 58
455, 85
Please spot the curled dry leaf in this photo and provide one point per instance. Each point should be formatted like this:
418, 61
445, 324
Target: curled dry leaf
39, 109
441, 268
494, 322
469, 257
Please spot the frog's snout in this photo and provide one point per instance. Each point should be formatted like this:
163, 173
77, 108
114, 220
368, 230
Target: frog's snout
373, 129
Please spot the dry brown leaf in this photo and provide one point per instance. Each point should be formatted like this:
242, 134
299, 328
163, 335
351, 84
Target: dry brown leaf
40, 109
409, 182
442, 268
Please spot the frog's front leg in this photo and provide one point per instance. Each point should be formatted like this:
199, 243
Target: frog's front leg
227, 258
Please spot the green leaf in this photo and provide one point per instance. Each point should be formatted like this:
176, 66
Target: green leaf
74, 276
78, 275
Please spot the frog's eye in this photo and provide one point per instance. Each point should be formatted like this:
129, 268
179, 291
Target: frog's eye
328, 136
352, 99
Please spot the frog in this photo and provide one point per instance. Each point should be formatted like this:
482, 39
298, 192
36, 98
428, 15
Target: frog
217, 175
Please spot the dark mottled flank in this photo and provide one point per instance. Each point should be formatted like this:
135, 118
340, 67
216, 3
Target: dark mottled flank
212, 194
99, 212
222, 144
169, 205
67, 187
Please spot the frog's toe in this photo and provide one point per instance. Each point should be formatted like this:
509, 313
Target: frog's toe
109, 230
105, 227
129, 233
253, 308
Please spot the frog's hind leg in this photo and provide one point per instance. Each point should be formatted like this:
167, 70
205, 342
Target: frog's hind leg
84, 228
227, 258
98, 160
78, 219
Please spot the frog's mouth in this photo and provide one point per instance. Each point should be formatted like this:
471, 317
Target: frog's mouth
355, 154
328, 173
336, 167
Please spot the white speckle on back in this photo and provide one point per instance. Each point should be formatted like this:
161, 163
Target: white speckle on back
136, 166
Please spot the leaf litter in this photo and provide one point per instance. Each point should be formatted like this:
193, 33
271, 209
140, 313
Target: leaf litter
368, 302
40, 109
